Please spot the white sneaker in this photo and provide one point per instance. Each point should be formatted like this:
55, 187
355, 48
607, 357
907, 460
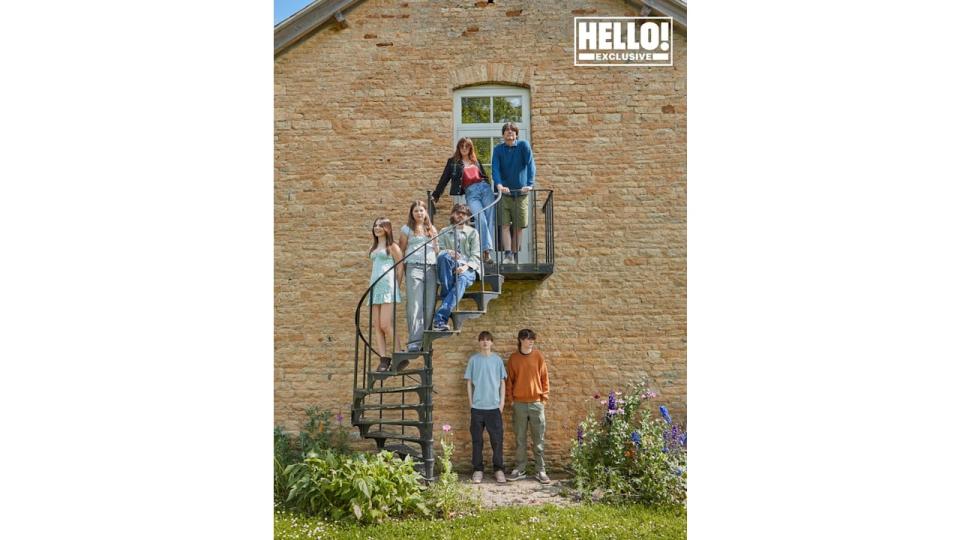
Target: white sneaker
507, 259
516, 475
477, 477
543, 478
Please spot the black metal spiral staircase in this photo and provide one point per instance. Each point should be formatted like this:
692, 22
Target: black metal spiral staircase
395, 407
379, 417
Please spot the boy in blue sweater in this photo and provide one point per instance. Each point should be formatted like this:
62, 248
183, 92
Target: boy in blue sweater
513, 175
486, 390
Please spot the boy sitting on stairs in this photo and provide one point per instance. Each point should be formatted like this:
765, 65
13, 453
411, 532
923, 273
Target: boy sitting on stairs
458, 264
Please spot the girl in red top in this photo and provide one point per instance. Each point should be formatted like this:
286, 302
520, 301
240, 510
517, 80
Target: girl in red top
469, 179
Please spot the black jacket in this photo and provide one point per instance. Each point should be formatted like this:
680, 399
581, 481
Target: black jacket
454, 171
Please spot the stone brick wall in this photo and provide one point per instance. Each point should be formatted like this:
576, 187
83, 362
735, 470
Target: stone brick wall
364, 120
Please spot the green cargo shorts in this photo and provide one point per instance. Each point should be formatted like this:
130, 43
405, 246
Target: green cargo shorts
514, 210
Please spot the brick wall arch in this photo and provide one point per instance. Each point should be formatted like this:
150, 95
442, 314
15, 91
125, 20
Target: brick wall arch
511, 74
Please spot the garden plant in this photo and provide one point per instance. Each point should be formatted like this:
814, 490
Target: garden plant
447, 496
317, 474
317, 434
625, 453
363, 487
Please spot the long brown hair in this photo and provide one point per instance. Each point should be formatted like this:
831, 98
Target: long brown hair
473, 151
412, 223
387, 233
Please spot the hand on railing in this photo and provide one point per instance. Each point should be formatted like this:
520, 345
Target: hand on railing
507, 191
430, 241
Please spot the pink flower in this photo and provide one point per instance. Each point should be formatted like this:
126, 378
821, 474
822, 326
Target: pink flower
446, 428
648, 394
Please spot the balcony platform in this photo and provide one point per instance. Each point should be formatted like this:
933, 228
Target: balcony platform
522, 271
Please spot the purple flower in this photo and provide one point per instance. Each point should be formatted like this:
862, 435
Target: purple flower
674, 438
340, 418
446, 428
580, 434
665, 414
612, 401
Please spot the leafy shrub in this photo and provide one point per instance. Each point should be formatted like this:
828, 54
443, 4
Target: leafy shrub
365, 488
447, 496
317, 434
623, 453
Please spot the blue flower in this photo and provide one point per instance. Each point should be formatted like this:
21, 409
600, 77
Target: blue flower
679, 471
635, 437
665, 414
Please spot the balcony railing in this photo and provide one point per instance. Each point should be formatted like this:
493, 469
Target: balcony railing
537, 241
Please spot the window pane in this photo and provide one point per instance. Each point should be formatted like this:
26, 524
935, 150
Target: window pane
482, 146
475, 110
507, 109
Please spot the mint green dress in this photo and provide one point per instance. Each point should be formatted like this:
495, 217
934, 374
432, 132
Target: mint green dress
386, 291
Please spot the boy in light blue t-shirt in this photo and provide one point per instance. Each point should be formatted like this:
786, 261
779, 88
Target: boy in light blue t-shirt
486, 389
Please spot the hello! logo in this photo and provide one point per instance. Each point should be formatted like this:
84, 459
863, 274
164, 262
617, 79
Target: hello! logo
623, 41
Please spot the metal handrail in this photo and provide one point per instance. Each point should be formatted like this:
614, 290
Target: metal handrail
360, 337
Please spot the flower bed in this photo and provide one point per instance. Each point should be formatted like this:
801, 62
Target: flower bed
623, 452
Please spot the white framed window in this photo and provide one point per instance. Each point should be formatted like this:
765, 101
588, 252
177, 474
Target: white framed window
479, 112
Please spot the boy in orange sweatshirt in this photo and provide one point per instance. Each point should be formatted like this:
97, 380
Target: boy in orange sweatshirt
527, 388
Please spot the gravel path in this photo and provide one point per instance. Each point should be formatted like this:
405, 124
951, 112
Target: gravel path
526, 492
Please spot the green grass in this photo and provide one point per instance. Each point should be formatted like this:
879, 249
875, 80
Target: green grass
587, 521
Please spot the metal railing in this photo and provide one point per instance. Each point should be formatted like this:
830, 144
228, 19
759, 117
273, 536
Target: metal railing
367, 349
540, 226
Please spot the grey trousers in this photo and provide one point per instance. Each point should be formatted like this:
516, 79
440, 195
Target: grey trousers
420, 306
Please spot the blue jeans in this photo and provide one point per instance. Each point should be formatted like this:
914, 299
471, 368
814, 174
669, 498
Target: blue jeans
451, 286
478, 196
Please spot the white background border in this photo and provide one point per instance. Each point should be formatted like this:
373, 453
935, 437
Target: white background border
137, 233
